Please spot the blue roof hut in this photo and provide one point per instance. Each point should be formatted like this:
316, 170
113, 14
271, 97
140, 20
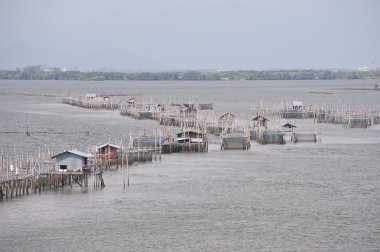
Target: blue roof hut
72, 161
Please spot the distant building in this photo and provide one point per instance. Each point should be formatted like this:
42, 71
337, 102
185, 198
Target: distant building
90, 96
33, 69
364, 69
297, 105
131, 100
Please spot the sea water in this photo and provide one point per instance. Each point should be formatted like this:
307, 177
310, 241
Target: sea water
292, 197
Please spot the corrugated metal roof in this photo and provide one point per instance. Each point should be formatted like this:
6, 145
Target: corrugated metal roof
289, 125
226, 114
107, 144
192, 131
75, 152
257, 118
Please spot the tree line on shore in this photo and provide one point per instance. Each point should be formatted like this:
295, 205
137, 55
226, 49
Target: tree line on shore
36, 73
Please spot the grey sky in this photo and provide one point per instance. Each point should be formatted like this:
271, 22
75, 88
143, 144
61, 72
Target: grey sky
203, 34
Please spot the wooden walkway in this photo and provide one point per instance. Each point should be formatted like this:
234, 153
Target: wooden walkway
22, 185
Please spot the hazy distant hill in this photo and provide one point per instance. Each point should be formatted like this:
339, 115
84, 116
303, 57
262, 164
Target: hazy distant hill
21, 55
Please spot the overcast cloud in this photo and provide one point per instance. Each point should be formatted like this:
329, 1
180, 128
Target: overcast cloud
200, 34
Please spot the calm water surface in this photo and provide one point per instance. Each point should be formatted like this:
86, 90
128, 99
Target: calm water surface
303, 197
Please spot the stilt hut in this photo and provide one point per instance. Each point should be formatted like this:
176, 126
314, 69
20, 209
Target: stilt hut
295, 111
287, 127
191, 136
187, 115
108, 151
259, 124
226, 122
298, 110
90, 96
131, 101
72, 161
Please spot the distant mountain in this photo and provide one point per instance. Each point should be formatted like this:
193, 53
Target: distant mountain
21, 55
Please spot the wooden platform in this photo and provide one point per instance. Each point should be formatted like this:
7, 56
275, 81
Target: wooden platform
22, 185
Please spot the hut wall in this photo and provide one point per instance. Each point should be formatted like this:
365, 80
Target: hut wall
72, 162
226, 119
109, 152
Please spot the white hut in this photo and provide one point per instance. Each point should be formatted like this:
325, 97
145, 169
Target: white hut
297, 105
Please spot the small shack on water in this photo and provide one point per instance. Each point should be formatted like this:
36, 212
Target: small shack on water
258, 124
297, 105
131, 101
227, 122
260, 121
287, 127
227, 118
191, 136
72, 160
90, 96
187, 140
108, 151
298, 110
